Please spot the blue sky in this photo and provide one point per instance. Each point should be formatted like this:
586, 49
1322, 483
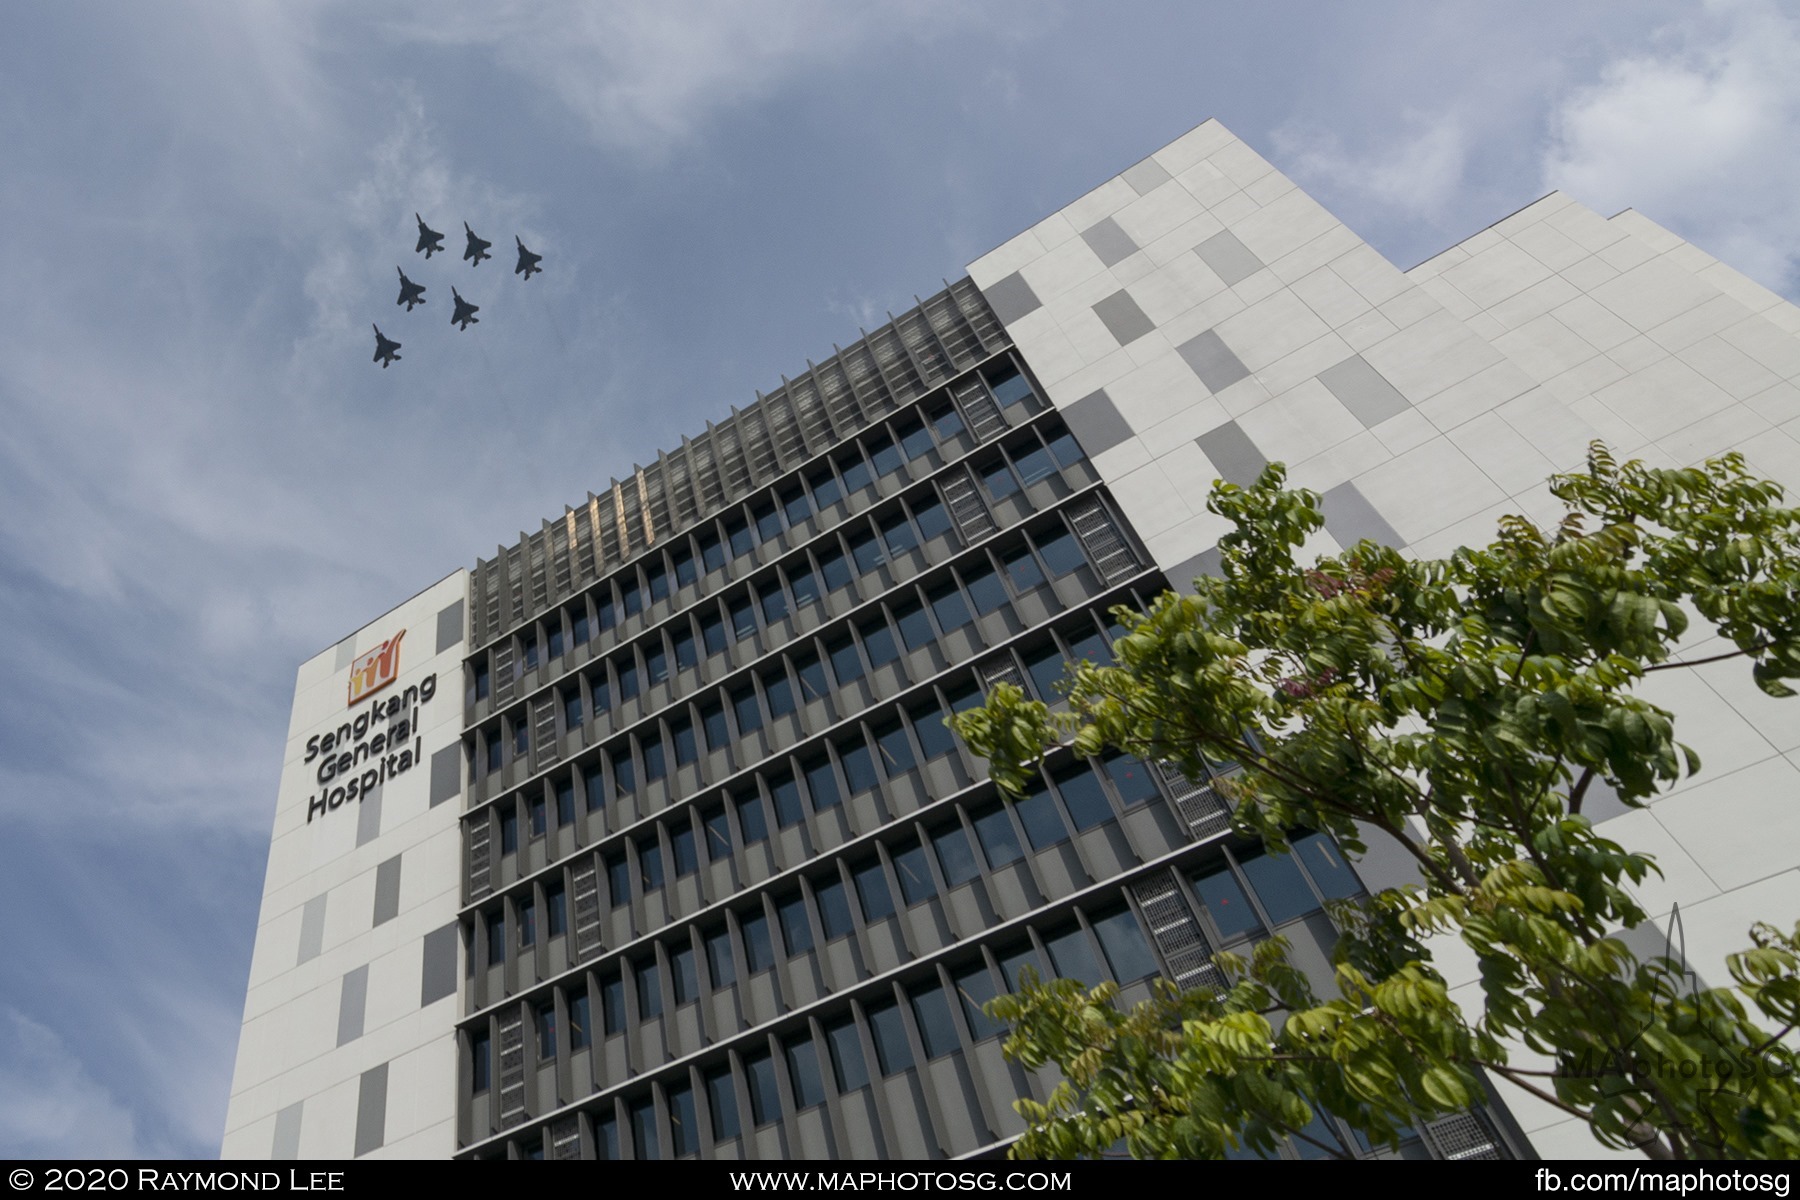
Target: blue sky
204, 480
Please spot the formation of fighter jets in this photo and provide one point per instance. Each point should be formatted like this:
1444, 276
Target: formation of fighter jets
430, 242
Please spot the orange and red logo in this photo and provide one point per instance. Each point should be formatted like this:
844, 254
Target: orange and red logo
375, 670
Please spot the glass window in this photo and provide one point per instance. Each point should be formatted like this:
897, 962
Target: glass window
1131, 777
600, 690
847, 1064
1034, 464
955, 857
633, 596
916, 883
779, 693
795, 504
628, 678
712, 719
685, 573
1009, 386
768, 522
556, 906
1280, 886
527, 923
825, 488
538, 811
612, 1002
528, 646
854, 472
1014, 961
859, 765
749, 715
759, 951
584, 627
834, 908
606, 1139
914, 441
866, 552
607, 609
878, 642
618, 880
773, 600
681, 845
935, 738
975, 987
936, 1027
872, 891
1072, 956
595, 785
1083, 796
821, 783
684, 1124
896, 751
846, 664
737, 533
1090, 647
521, 739
915, 626
1046, 666
483, 681
884, 454
948, 606
1225, 902
765, 1099
643, 1129
712, 552
719, 961
557, 643
803, 1069
1022, 568
898, 533
1063, 447
581, 1025
785, 792
796, 928
888, 1031
481, 1058
947, 421
1124, 946
1327, 866
712, 633
994, 830
743, 618
721, 1094
654, 766
718, 836
1060, 551
684, 975
546, 1031
998, 479
565, 801
686, 654
656, 661
687, 748
1037, 813
572, 708
812, 677
984, 587
509, 830
804, 583
624, 772
650, 862
835, 569
658, 575
496, 937
751, 820
649, 990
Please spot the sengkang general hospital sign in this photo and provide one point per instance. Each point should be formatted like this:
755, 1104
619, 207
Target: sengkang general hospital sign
383, 738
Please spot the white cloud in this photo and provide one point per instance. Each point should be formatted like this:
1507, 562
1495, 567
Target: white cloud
1699, 135
1419, 173
50, 1107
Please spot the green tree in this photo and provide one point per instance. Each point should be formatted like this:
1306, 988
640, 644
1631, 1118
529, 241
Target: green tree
1462, 709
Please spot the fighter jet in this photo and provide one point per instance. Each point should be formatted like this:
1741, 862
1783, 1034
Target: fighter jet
384, 350
477, 249
410, 293
528, 262
464, 316
430, 240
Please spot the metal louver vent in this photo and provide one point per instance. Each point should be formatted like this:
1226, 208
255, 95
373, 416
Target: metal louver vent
512, 1067
1001, 670
1200, 806
565, 1138
586, 881
1177, 933
1106, 546
480, 856
544, 747
971, 516
1464, 1136
978, 409
506, 676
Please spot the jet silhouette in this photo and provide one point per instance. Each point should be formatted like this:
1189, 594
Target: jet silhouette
528, 262
477, 248
384, 349
430, 240
464, 316
410, 293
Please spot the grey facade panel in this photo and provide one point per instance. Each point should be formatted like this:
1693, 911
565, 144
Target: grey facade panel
312, 928
1096, 423
1011, 298
368, 816
387, 891
1183, 574
287, 1133
449, 626
1123, 318
371, 1110
1213, 361
1106, 239
438, 977
1350, 518
446, 774
1364, 391
1232, 454
1230, 259
1146, 177
346, 653
353, 1002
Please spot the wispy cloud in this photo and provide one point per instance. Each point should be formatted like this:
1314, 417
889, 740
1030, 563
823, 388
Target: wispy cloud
50, 1107
1698, 133
1417, 171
